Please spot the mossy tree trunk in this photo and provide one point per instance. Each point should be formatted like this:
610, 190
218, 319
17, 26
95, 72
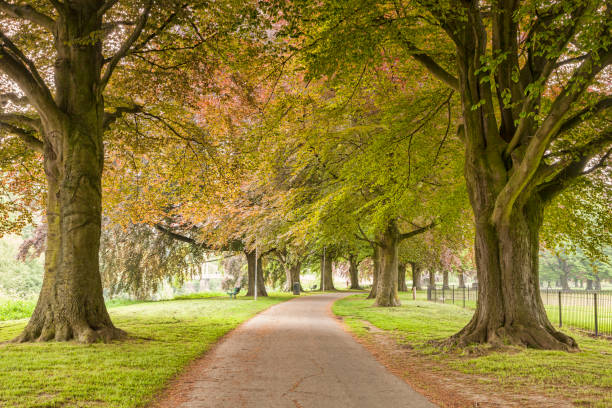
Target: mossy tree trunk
71, 305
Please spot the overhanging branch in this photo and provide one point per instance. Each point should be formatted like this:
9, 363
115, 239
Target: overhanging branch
127, 44
417, 231
27, 12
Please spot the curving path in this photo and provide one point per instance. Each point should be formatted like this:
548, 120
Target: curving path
293, 355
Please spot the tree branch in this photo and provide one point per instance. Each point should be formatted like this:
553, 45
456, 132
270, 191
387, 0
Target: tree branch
106, 6
417, 231
569, 170
14, 99
22, 120
110, 118
549, 128
364, 237
233, 246
23, 71
27, 12
579, 117
429, 63
26, 136
178, 237
127, 44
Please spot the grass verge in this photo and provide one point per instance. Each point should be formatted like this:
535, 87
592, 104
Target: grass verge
164, 337
585, 378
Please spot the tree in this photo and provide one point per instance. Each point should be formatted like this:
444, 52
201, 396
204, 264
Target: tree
532, 81
65, 123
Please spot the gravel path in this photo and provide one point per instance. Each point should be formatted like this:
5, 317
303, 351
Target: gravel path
293, 355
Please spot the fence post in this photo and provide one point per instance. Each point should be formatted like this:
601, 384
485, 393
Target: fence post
595, 311
463, 295
429, 293
453, 294
560, 321
443, 298
414, 293
435, 295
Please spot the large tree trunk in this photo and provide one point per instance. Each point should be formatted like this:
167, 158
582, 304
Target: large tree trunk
508, 216
416, 275
376, 262
509, 308
261, 286
71, 305
327, 272
401, 278
445, 284
354, 272
386, 294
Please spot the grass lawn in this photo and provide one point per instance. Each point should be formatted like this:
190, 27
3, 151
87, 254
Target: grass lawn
585, 377
164, 337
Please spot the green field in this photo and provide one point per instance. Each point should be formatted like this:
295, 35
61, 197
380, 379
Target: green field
164, 337
584, 377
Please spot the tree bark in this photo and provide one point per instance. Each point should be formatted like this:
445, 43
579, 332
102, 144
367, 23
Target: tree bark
597, 282
445, 284
375, 271
295, 270
461, 279
261, 286
509, 308
71, 304
354, 272
564, 276
327, 272
401, 278
416, 275
432, 278
386, 293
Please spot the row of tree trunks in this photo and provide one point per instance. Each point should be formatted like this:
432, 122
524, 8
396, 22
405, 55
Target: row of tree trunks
327, 281
252, 260
401, 278
416, 275
354, 272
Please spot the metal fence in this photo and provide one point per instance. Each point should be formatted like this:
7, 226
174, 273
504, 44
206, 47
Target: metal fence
590, 311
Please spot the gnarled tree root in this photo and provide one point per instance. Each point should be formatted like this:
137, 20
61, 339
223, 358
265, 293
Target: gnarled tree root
80, 332
543, 338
